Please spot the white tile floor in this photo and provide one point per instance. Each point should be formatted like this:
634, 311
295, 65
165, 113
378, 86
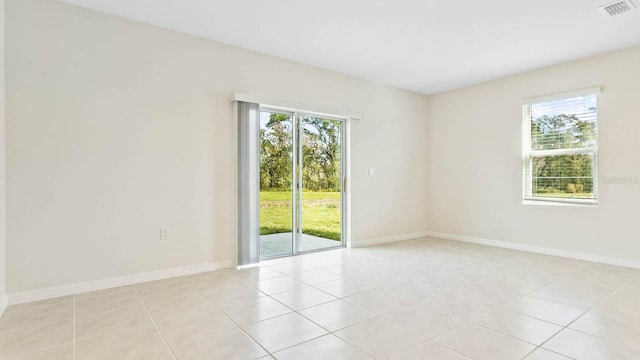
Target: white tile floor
417, 299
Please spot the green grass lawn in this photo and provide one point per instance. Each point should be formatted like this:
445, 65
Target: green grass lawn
320, 213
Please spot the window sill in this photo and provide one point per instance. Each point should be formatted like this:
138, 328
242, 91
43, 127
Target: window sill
560, 202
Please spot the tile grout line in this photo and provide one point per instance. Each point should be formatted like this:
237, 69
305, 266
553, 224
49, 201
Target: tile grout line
471, 321
329, 332
528, 294
536, 347
626, 283
482, 314
562, 327
153, 321
448, 347
378, 316
432, 339
233, 321
521, 296
309, 340
381, 316
583, 313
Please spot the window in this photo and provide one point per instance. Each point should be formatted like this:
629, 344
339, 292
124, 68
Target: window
560, 143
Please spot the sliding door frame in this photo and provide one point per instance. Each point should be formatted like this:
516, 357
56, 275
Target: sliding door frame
296, 184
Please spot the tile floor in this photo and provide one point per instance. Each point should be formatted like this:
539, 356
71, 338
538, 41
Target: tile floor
417, 299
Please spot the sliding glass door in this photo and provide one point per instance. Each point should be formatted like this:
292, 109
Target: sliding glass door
301, 176
320, 183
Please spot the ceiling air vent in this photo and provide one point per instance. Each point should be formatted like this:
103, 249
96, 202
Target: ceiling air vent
618, 7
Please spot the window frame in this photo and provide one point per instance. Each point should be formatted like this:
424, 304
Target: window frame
528, 154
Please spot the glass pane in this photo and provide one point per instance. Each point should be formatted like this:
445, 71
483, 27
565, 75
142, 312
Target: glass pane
563, 176
276, 192
564, 124
321, 195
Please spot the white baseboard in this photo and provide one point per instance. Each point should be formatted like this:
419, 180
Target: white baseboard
388, 239
3, 303
541, 250
72, 289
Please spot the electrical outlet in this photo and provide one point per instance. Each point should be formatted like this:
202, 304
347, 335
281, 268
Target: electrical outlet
165, 234
498, 216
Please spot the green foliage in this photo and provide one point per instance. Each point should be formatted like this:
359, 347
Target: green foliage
321, 151
571, 174
276, 143
321, 168
320, 154
562, 131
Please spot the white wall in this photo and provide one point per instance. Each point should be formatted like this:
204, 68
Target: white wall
116, 128
474, 141
3, 166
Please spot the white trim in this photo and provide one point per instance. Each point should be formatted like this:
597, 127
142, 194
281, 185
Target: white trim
389, 239
551, 201
234, 205
346, 191
529, 154
297, 107
564, 95
73, 289
559, 152
610, 260
248, 266
3, 303
345, 169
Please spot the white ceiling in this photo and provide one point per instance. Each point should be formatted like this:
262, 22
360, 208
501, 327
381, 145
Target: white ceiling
426, 46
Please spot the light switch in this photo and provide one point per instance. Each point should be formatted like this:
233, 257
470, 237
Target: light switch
372, 171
